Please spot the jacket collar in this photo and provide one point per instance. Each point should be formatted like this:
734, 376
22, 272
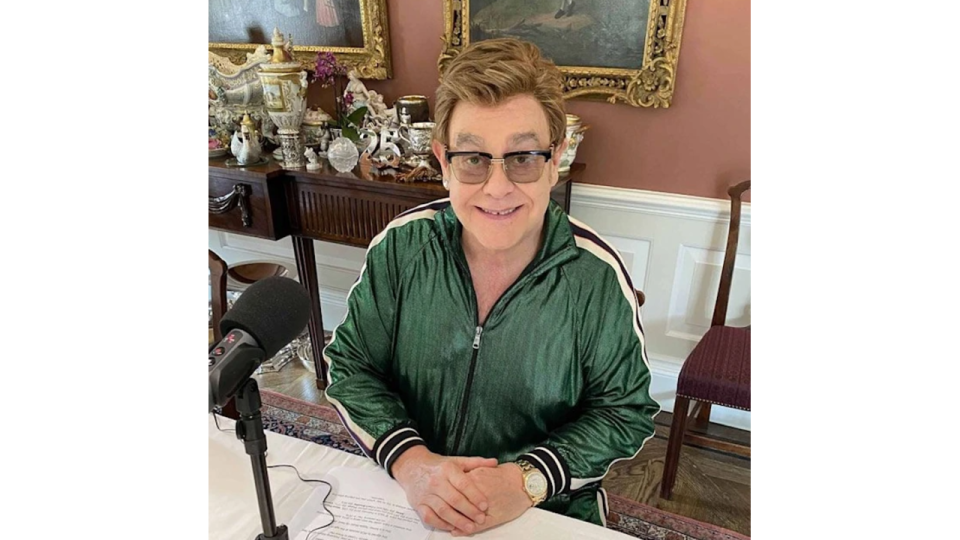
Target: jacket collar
558, 247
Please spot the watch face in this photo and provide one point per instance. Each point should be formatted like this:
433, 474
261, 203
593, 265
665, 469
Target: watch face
536, 484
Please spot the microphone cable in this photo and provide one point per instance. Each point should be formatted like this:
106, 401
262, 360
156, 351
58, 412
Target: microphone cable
302, 479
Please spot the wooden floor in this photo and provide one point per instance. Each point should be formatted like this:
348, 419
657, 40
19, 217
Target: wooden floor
712, 486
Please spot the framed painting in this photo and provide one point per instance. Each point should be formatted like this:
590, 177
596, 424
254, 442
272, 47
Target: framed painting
355, 30
623, 51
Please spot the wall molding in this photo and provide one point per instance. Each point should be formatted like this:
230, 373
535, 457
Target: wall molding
657, 203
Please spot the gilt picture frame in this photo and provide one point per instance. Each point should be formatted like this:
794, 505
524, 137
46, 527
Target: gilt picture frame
620, 51
356, 31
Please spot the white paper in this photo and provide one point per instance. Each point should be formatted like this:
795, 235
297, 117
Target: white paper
366, 505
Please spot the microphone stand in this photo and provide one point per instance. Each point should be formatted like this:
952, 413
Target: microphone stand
250, 431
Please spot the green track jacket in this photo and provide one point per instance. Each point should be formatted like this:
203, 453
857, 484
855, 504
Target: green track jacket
557, 375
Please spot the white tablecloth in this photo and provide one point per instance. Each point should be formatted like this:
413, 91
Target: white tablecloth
234, 513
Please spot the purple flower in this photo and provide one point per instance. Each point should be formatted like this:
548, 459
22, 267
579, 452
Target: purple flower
327, 67
348, 100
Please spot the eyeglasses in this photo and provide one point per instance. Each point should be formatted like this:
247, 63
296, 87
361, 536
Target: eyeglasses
522, 167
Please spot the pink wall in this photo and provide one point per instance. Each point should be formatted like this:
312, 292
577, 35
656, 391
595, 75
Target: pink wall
699, 146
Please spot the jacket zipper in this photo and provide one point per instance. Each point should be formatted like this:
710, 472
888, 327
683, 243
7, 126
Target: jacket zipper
476, 350
466, 393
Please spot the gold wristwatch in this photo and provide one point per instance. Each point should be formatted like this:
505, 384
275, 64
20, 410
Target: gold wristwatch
534, 482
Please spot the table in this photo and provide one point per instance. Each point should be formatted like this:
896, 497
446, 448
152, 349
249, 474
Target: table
234, 514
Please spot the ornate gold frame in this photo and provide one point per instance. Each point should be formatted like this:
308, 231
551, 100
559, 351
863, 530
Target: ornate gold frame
372, 61
650, 85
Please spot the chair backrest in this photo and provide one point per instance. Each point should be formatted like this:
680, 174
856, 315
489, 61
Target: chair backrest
218, 285
730, 255
641, 298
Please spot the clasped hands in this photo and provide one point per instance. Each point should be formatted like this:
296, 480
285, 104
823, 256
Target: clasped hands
462, 495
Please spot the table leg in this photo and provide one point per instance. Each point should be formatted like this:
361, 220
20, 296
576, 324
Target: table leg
307, 268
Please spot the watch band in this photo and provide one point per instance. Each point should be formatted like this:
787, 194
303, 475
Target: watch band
527, 469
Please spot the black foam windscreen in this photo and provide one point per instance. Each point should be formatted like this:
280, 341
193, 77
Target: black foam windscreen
273, 310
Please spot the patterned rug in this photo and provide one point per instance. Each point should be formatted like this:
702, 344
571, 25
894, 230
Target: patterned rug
320, 424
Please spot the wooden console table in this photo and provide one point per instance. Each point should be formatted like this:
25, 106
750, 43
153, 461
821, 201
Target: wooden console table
271, 202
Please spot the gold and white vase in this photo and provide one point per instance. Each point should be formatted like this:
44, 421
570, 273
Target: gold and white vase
284, 84
314, 126
575, 129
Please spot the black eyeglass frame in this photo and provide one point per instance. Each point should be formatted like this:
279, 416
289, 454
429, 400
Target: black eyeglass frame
449, 155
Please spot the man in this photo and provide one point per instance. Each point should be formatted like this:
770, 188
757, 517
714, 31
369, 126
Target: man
492, 357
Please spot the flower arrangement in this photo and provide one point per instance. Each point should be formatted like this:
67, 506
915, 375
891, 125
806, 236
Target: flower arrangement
330, 72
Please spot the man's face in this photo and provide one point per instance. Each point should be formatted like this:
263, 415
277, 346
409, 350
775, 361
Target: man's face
499, 214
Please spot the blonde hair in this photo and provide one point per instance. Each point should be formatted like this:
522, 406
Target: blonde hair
492, 71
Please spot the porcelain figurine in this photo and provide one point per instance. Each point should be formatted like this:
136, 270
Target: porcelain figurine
313, 163
245, 145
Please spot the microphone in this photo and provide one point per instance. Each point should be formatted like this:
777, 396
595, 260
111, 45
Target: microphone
266, 317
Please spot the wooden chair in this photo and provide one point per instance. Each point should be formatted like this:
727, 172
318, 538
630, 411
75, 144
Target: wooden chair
218, 284
717, 372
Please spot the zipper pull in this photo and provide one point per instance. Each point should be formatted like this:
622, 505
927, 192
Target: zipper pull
476, 339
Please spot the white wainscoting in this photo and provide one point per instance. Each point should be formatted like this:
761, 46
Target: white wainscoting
672, 244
